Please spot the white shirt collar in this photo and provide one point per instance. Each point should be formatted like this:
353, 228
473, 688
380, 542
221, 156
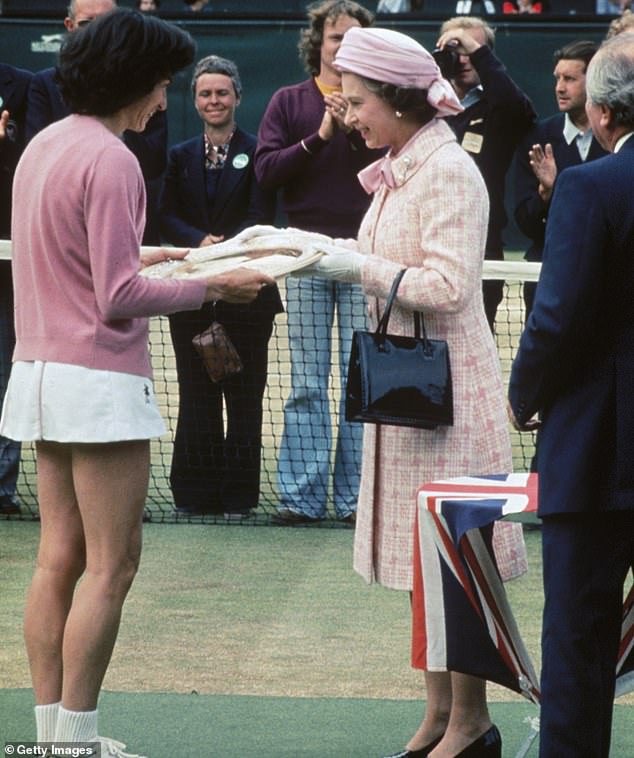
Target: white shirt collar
571, 130
572, 133
473, 96
621, 141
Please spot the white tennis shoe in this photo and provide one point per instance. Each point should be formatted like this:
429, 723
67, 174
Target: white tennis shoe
114, 749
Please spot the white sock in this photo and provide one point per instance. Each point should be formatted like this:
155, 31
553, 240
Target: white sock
76, 726
46, 721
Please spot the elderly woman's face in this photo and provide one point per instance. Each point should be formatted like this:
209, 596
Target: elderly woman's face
371, 116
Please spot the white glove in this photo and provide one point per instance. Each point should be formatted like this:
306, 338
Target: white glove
338, 263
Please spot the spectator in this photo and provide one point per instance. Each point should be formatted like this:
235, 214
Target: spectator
496, 115
575, 366
80, 386
210, 194
14, 84
306, 151
423, 191
608, 7
625, 23
46, 106
399, 6
521, 6
197, 6
148, 6
552, 145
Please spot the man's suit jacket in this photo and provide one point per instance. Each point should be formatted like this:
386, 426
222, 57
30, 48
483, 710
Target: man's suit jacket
14, 84
575, 362
530, 210
489, 130
185, 218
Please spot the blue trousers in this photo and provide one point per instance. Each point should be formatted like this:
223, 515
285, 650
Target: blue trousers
586, 559
305, 454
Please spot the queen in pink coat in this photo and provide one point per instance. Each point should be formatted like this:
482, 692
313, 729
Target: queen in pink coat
429, 214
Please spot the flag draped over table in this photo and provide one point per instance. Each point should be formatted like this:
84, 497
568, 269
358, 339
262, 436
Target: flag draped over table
625, 663
462, 620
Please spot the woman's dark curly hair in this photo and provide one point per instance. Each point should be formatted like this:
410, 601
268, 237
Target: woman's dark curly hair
310, 39
407, 100
119, 58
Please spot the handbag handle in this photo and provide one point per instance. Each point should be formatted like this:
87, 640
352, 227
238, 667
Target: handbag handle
419, 321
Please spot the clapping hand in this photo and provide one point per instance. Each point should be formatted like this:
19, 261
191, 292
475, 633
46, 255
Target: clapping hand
4, 120
542, 161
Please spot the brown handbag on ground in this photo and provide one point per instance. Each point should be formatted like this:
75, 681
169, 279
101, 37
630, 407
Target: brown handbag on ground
218, 353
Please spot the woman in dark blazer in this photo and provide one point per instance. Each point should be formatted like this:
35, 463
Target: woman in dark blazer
210, 194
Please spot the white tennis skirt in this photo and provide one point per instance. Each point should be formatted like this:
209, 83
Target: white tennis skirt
60, 402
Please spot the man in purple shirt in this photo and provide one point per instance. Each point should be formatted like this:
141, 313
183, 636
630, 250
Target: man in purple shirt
307, 152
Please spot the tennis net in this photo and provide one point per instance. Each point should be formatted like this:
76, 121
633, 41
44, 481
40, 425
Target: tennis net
160, 504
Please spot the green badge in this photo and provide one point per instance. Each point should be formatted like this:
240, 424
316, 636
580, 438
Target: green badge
241, 160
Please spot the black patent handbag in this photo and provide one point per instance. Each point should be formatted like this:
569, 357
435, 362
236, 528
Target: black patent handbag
399, 380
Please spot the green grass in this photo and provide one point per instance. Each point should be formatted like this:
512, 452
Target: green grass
236, 610
239, 610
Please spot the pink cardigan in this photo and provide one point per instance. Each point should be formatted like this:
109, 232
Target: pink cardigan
79, 212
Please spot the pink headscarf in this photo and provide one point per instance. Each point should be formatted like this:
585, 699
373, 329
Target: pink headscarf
394, 58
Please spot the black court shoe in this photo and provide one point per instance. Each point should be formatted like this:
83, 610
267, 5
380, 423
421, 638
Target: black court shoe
420, 753
488, 745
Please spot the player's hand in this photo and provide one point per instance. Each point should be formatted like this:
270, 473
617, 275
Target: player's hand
240, 285
149, 257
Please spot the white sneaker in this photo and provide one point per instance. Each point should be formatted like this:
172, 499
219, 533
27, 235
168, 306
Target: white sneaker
114, 749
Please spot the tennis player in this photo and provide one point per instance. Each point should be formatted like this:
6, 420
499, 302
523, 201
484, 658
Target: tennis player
81, 383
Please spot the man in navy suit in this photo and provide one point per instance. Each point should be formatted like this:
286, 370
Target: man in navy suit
45, 106
575, 366
553, 144
210, 194
14, 83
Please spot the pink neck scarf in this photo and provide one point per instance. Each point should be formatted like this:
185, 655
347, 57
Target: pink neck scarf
394, 58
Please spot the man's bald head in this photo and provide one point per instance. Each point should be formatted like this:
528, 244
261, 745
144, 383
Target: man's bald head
83, 11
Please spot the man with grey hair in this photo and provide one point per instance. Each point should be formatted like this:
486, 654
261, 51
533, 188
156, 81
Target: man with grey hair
575, 367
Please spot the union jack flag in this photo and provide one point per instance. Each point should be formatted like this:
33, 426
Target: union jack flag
625, 662
462, 620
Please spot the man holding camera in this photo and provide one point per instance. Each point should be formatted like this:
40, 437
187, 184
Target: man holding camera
496, 116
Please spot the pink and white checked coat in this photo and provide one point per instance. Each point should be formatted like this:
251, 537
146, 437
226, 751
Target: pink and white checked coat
434, 223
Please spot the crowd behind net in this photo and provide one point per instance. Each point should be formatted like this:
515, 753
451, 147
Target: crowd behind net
160, 504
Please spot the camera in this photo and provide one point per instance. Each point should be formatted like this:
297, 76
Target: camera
448, 60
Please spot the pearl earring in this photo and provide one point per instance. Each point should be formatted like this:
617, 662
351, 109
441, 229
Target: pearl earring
398, 114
